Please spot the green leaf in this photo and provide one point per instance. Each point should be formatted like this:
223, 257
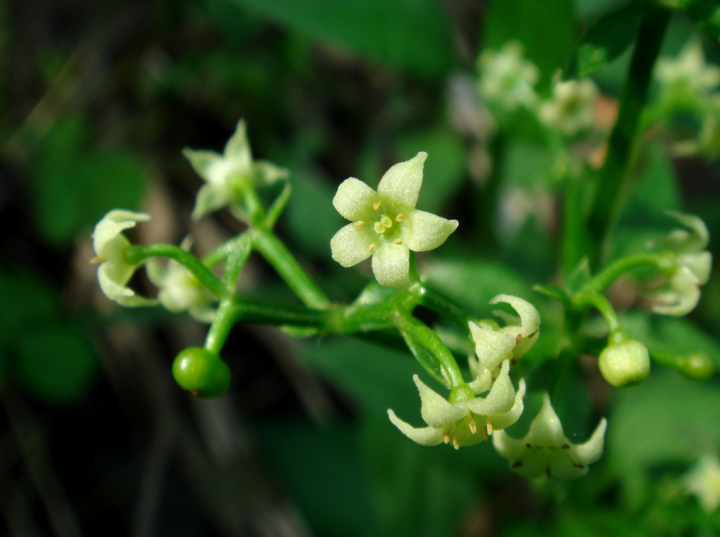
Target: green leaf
424, 357
546, 30
55, 364
706, 15
411, 34
605, 40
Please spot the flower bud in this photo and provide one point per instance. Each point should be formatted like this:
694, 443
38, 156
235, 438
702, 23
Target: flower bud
625, 364
696, 366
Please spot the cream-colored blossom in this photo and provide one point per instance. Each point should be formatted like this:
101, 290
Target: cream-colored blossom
693, 266
224, 174
572, 107
385, 224
180, 291
510, 342
546, 452
465, 419
703, 481
688, 74
114, 271
507, 78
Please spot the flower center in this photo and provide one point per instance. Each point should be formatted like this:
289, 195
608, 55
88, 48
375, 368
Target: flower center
385, 223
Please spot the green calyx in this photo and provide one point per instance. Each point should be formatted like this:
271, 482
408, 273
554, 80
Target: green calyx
624, 364
201, 372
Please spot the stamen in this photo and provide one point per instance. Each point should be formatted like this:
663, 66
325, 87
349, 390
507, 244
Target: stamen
371, 249
472, 425
489, 427
376, 205
518, 338
398, 242
456, 442
400, 217
359, 223
446, 439
518, 464
379, 228
96, 260
484, 433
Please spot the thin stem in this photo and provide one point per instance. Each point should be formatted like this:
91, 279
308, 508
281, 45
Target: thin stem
612, 272
289, 269
613, 176
436, 301
602, 304
574, 240
136, 254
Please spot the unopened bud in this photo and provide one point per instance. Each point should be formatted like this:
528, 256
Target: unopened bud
696, 366
625, 364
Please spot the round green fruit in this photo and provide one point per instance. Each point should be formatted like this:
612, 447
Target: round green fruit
201, 372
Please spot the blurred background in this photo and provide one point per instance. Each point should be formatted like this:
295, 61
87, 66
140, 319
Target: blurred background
98, 100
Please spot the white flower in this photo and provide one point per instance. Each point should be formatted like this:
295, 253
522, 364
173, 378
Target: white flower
114, 271
507, 78
545, 451
385, 224
180, 291
466, 419
703, 480
687, 75
224, 174
510, 342
693, 264
572, 108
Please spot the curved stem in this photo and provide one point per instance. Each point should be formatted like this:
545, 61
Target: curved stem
136, 254
602, 304
612, 272
289, 269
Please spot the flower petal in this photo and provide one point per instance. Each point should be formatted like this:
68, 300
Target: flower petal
507, 447
491, 347
506, 420
423, 231
351, 245
546, 429
592, 450
391, 264
562, 466
354, 200
482, 383
401, 183
529, 323
684, 241
210, 197
500, 399
237, 148
700, 264
112, 279
111, 226
427, 436
435, 409
203, 161
266, 173
681, 295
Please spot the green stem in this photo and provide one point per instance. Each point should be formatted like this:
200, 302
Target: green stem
136, 254
612, 272
219, 254
289, 269
436, 301
606, 205
602, 304
422, 334
574, 241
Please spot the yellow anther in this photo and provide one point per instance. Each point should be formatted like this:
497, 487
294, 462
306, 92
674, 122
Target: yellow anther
456, 442
473, 426
489, 428
96, 260
400, 217
376, 205
379, 228
359, 223
447, 436
371, 249
485, 436
386, 221
398, 242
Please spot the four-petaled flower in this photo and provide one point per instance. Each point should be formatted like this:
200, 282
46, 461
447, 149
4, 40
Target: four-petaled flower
179, 290
465, 419
507, 343
693, 265
385, 224
226, 173
110, 245
545, 451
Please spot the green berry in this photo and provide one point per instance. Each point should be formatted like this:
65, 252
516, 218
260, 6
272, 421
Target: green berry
201, 372
697, 366
625, 364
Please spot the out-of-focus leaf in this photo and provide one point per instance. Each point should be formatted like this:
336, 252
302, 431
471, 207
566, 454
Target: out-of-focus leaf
311, 219
658, 189
667, 419
546, 30
322, 470
445, 167
706, 15
377, 378
24, 301
55, 364
411, 34
74, 189
473, 282
605, 40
